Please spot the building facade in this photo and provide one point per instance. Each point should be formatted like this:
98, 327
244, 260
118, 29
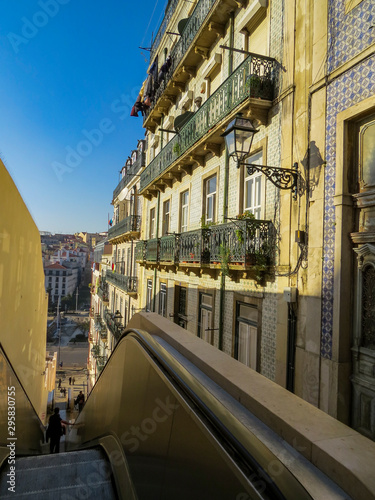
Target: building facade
210, 253
277, 274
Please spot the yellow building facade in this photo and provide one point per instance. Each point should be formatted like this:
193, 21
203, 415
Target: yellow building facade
23, 299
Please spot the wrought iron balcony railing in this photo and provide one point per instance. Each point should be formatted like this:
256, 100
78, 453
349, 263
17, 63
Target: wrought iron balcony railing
140, 251
103, 292
247, 242
115, 328
127, 225
194, 246
253, 77
172, 4
128, 284
196, 19
130, 173
152, 250
169, 248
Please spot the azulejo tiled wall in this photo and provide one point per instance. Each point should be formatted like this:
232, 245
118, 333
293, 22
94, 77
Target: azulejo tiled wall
350, 88
349, 34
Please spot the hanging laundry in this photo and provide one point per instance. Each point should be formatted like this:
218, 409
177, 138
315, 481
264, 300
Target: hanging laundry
164, 69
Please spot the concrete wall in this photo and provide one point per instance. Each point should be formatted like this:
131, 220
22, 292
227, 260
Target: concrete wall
23, 300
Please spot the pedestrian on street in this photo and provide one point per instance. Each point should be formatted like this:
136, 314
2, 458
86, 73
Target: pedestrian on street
59, 383
55, 431
80, 401
74, 380
70, 381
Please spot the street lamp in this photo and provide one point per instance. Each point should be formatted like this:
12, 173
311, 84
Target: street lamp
117, 318
238, 139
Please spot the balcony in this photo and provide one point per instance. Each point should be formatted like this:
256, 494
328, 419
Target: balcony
252, 79
244, 243
194, 247
152, 250
131, 172
126, 229
172, 4
128, 284
202, 28
115, 328
239, 245
103, 293
140, 251
100, 327
169, 249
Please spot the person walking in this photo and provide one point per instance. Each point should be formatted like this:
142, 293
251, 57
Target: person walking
80, 401
70, 381
73, 380
59, 386
55, 431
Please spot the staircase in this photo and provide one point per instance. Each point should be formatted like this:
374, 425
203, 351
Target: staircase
64, 476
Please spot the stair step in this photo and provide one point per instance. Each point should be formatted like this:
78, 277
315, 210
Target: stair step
83, 474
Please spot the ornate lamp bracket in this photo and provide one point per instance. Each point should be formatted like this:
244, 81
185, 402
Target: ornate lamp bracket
283, 178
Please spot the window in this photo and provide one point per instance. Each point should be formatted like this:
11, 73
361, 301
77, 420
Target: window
152, 223
180, 306
163, 300
367, 155
149, 296
210, 199
205, 317
166, 209
184, 211
246, 339
253, 188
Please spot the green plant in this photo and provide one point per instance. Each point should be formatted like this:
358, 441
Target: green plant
206, 225
95, 350
246, 215
177, 148
224, 254
239, 235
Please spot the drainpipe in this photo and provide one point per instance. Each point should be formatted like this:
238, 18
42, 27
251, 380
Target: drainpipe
157, 236
231, 43
225, 194
292, 320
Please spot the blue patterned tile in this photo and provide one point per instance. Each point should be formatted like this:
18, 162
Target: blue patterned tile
352, 87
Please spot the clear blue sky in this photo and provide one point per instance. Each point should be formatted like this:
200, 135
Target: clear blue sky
70, 67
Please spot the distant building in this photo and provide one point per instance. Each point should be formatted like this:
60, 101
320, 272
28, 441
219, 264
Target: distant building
60, 280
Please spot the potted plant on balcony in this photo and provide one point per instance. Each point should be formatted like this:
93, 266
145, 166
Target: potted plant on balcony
247, 215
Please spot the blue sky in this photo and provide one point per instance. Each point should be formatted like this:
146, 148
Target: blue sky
70, 72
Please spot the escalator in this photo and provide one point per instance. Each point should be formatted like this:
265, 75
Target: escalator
156, 427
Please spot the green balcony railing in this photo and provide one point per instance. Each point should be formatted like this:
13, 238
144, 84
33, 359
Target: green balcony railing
103, 292
127, 225
152, 250
128, 284
116, 329
254, 76
194, 246
140, 251
130, 173
248, 242
172, 4
169, 248
195, 21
